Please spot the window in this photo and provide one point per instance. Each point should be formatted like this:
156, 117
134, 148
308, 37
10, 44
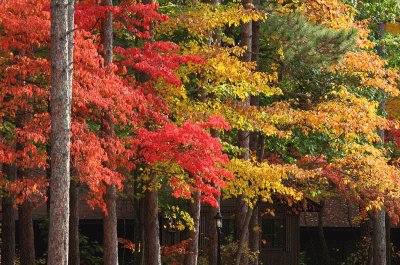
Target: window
273, 233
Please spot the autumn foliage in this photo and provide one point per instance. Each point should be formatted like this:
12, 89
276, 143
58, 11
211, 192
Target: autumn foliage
165, 114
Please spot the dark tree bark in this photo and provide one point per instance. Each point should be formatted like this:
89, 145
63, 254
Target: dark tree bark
378, 221
74, 258
244, 238
8, 222
255, 144
241, 233
194, 210
378, 238
242, 209
110, 242
107, 34
152, 253
138, 232
212, 224
254, 234
26, 237
213, 235
246, 34
61, 96
388, 240
321, 235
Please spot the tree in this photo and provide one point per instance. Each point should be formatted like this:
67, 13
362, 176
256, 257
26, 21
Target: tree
8, 222
61, 96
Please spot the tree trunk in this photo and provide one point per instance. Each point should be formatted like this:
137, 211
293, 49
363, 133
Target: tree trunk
138, 230
152, 253
378, 238
191, 257
388, 241
213, 236
242, 209
321, 235
212, 224
8, 222
254, 230
61, 96
378, 222
107, 34
110, 244
26, 237
244, 238
74, 258
246, 34
254, 234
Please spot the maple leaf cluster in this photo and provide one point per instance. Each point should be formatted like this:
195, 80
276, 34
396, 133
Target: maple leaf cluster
118, 121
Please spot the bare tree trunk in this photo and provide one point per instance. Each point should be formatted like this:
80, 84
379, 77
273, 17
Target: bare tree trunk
242, 209
378, 238
244, 238
8, 222
191, 257
254, 234
378, 220
246, 34
74, 254
61, 96
138, 230
26, 237
110, 244
212, 224
152, 253
74, 258
8, 231
388, 241
107, 34
213, 236
321, 235
254, 231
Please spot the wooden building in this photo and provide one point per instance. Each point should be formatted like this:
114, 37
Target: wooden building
279, 239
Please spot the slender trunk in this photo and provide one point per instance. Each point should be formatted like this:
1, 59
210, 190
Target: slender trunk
213, 236
254, 235
152, 254
61, 96
378, 221
26, 237
8, 231
191, 257
255, 144
107, 34
110, 243
242, 209
243, 240
388, 240
8, 221
321, 235
246, 34
212, 225
74, 224
138, 231
378, 238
